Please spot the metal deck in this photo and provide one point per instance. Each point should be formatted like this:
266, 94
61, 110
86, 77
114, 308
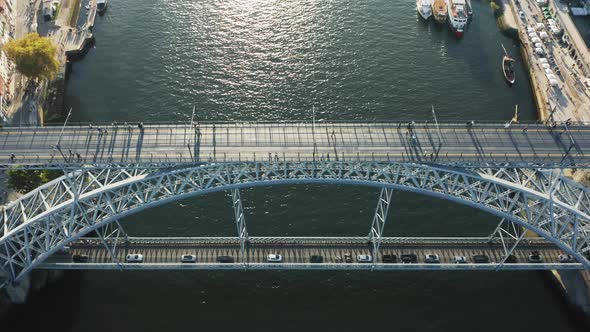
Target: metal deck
165, 253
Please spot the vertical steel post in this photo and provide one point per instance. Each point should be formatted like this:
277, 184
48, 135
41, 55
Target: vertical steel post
379, 220
240, 219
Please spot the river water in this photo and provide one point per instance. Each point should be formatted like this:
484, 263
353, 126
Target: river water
273, 60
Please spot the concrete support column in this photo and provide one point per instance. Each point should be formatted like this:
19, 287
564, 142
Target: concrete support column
18, 293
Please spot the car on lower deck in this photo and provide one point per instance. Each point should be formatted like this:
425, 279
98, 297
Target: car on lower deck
481, 259
389, 258
535, 257
80, 258
134, 258
460, 260
364, 258
431, 258
409, 258
187, 258
225, 259
274, 258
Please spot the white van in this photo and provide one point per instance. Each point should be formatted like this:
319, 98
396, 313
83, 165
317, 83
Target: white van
134, 258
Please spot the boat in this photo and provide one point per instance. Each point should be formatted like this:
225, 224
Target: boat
101, 6
508, 67
439, 11
423, 8
457, 16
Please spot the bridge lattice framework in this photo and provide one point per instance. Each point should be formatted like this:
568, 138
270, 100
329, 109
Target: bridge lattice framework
48, 218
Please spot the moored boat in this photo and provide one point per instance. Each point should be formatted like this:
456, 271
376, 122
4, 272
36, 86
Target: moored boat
439, 11
508, 67
423, 8
457, 16
101, 6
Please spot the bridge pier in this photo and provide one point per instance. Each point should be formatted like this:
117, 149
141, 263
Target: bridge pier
240, 219
18, 293
379, 219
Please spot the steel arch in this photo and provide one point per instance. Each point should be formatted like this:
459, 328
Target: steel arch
44, 220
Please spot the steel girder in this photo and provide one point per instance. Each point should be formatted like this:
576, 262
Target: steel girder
41, 222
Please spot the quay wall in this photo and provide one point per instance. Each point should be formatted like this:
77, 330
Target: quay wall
526, 55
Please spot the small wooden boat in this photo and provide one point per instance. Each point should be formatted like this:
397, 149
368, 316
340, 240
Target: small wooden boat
508, 67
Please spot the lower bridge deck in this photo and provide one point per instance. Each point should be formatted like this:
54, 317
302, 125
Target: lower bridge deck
165, 254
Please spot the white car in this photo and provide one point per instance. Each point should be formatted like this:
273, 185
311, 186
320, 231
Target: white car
460, 260
364, 258
274, 258
188, 258
431, 258
134, 258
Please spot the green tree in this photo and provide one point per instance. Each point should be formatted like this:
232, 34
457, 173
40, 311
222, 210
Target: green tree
34, 56
24, 181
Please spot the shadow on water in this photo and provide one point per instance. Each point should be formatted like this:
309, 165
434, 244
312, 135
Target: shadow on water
55, 307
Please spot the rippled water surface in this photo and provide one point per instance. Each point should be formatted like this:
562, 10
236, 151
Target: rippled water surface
273, 60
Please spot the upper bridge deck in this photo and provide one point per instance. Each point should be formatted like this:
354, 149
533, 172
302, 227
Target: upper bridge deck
163, 145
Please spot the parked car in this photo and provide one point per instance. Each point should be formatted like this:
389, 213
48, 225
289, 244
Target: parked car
431, 258
225, 259
460, 260
134, 258
481, 259
389, 259
409, 258
364, 258
274, 258
188, 258
563, 258
317, 259
78, 258
535, 257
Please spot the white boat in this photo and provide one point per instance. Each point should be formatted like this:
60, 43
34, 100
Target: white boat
101, 6
457, 16
423, 8
439, 11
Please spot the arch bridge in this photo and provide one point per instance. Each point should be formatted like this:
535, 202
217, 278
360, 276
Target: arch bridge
544, 222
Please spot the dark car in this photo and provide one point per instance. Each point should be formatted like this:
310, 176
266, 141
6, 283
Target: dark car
317, 259
225, 259
481, 259
389, 259
80, 258
511, 259
409, 258
347, 258
535, 257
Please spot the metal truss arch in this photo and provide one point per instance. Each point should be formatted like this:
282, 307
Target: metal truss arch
37, 225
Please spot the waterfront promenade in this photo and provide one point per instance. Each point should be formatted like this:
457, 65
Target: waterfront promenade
569, 98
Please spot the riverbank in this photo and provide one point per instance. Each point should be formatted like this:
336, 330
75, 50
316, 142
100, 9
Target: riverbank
558, 87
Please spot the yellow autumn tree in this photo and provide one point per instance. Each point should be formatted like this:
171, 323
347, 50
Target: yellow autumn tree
34, 56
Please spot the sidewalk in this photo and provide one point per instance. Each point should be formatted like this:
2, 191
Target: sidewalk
22, 111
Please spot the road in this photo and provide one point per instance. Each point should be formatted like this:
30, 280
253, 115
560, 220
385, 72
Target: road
154, 145
165, 253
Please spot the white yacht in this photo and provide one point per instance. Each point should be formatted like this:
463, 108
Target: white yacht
423, 8
457, 16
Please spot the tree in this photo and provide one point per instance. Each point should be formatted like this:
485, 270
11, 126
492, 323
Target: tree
34, 56
24, 181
